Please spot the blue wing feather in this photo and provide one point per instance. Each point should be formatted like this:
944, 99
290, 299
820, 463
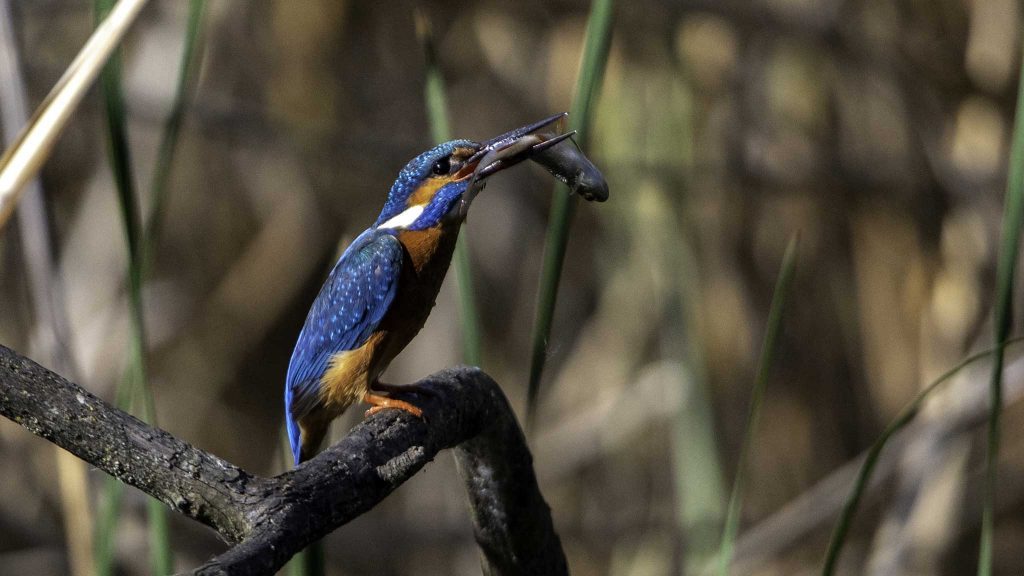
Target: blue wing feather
349, 308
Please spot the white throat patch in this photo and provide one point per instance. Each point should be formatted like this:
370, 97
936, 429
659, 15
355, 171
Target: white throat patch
404, 219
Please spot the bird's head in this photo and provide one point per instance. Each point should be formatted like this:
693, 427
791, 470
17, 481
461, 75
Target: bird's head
438, 185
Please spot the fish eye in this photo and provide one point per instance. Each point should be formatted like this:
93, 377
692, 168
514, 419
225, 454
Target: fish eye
441, 167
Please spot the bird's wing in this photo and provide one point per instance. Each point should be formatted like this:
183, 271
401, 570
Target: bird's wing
350, 306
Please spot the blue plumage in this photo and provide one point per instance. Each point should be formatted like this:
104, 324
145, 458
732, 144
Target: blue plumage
347, 311
349, 337
360, 288
444, 200
414, 173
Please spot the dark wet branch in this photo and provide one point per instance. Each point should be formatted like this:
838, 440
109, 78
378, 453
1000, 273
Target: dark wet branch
189, 480
270, 519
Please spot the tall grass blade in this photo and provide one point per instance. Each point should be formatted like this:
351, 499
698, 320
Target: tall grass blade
768, 350
852, 504
161, 558
1013, 218
106, 524
141, 241
120, 156
701, 494
440, 131
190, 59
22, 160
592, 66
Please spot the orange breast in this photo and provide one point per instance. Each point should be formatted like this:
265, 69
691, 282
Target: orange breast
428, 255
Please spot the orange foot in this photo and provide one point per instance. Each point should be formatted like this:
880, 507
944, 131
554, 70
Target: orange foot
383, 402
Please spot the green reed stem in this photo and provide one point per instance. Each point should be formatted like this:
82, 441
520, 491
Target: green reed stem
1013, 218
190, 59
440, 131
592, 66
765, 363
139, 246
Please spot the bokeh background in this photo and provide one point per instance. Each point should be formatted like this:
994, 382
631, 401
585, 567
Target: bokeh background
877, 129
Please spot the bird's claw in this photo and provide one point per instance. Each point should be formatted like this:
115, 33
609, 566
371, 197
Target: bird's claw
379, 403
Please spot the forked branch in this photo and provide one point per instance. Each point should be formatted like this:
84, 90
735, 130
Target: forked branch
270, 519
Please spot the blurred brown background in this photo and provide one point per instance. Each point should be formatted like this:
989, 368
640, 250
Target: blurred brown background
878, 129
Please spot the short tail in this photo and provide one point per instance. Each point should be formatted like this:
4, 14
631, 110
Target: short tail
306, 434
294, 433
294, 438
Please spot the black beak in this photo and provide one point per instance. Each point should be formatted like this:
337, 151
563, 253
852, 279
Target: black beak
535, 142
514, 146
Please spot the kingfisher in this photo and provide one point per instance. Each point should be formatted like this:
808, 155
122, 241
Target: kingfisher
380, 292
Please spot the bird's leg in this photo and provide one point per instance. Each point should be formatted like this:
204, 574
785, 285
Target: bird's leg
382, 402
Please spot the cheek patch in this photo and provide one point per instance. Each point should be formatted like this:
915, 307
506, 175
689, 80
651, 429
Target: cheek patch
425, 193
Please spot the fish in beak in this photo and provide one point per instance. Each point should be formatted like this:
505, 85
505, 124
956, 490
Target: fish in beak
547, 147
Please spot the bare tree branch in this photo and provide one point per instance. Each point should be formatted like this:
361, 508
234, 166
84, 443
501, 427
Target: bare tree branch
270, 519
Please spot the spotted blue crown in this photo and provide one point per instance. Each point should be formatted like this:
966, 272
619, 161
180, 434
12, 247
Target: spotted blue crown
410, 178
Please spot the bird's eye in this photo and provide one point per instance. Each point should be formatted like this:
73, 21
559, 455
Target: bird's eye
441, 167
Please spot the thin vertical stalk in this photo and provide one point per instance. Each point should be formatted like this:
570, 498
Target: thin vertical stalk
592, 66
187, 77
765, 363
161, 559
1013, 218
440, 131
106, 524
696, 462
